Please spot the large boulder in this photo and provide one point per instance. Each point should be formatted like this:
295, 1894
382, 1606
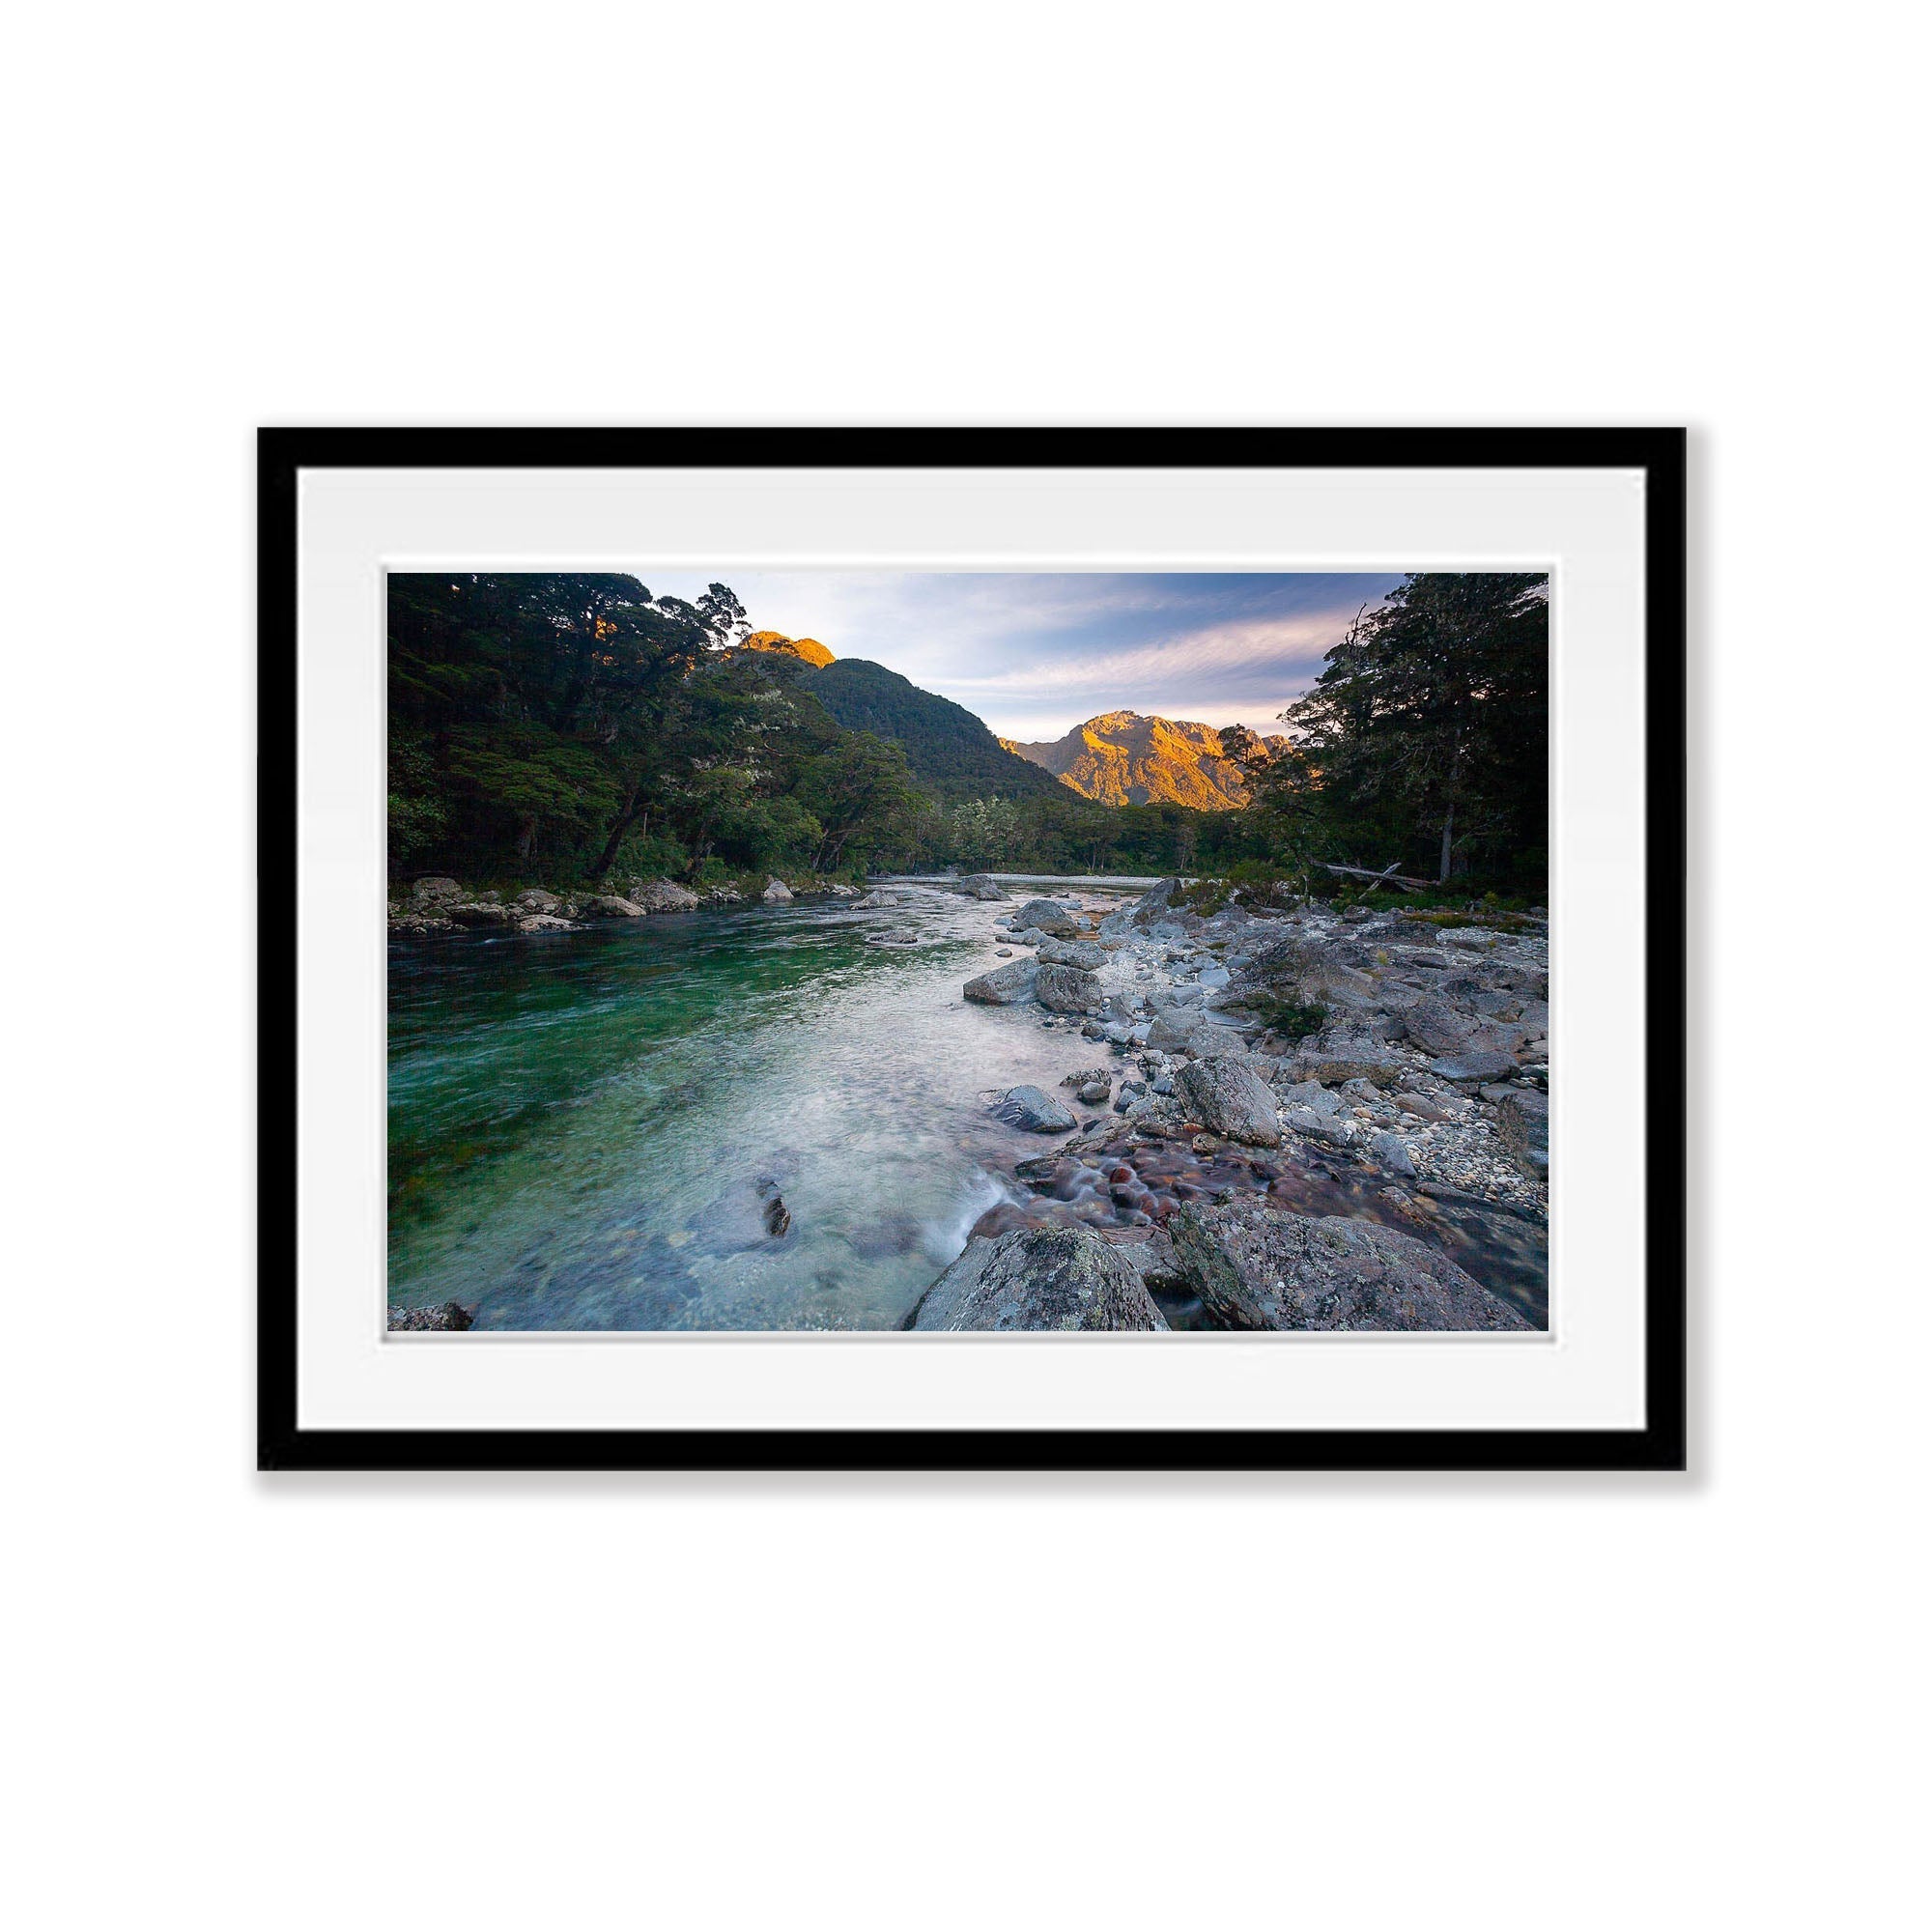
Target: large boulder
1209, 1036
662, 896
1152, 906
977, 886
1230, 1098
1066, 989
428, 892
1034, 1112
876, 900
540, 922
1005, 985
479, 914
536, 899
1064, 1279
1047, 916
1474, 1063
1437, 1027
607, 905
777, 893
1335, 1056
1257, 1266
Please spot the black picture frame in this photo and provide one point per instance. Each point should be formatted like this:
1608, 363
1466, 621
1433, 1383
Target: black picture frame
1661, 1444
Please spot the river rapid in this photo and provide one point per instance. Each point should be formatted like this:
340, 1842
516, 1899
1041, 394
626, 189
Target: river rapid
586, 1128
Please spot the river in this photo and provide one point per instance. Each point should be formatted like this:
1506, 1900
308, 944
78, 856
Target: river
586, 1127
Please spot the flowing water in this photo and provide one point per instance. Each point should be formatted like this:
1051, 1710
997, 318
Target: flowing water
587, 1129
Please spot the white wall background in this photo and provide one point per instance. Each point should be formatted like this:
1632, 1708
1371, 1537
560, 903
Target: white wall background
237, 1702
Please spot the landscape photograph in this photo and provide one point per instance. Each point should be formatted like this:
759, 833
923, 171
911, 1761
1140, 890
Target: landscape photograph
936, 953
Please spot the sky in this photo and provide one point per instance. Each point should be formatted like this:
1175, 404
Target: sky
1035, 655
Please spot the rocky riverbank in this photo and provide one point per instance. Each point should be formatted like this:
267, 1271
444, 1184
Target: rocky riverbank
444, 905
1319, 1117
1328, 1117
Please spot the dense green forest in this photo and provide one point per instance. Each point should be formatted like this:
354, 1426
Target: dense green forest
559, 729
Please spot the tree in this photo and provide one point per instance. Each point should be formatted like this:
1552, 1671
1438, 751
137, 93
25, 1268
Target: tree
1431, 719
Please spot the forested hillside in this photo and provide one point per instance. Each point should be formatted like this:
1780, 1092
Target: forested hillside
951, 753
557, 728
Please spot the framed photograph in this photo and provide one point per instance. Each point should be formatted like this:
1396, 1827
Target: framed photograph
972, 949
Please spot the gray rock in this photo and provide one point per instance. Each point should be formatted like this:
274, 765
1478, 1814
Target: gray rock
427, 893
479, 914
1474, 938
1063, 1278
1207, 1038
876, 900
1391, 1156
542, 922
979, 886
450, 1316
1047, 916
1315, 1098
1214, 976
1255, 1266
777, 893
1230, 1100
1006, 985
1151, 908
1475, 1065
536, 899
1094, 1093
1082, 952
893, 935
1034, 1112
1118, 923
1330, 1129
1337, 1057
662, 896
1066, 989
607, 905
1437, 1027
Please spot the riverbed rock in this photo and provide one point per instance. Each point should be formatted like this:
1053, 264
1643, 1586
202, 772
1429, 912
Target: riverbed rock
427, 893
1335, 1056
1082, 952
876, 900
662, 896
1006, 985
1257, 1266
777, 893
1475, 1065
979, 886
536, 899
1152, 906
479, 913
1066, 989
607, 905
1437, 1027
450, 1316
1230, 1098
1047, 916
542, 922
1390, 1155
1063, 1278
893, 935
1034, 1112
1096, 1093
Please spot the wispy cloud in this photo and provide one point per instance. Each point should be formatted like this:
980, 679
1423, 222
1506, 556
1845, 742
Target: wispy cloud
1034, 655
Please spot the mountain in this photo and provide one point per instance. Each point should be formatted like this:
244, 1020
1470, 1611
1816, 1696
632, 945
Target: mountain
1123, 758
949, 749
809, 648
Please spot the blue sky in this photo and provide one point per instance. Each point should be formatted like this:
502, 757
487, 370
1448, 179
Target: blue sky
1035, 655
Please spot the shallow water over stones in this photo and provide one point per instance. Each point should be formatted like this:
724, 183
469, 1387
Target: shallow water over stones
587, 1129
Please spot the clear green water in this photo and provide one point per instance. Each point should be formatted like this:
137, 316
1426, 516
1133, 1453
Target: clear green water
583, 1126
